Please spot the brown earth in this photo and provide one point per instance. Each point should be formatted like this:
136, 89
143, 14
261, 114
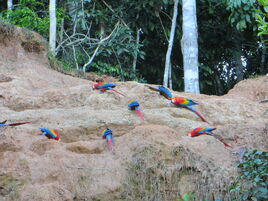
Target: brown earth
153, 160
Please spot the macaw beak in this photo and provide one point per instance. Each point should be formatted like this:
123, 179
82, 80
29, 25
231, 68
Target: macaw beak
189, 134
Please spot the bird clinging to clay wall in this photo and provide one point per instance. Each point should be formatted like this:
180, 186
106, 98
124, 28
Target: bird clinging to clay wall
206, 131
104, 86
108, 135
187, 103
162, 91
134, 105
50, 133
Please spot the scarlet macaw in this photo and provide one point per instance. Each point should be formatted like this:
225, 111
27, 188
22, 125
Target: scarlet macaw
50, 133
108, 135
163, 91
14, 124
206, 131
187, 103
104, 86
134, 105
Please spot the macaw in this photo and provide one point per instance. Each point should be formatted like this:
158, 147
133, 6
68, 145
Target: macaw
134, 105
187, 103
50, 133
206, 131
201, 131
104, 86
163, 91
107, 134
14, 124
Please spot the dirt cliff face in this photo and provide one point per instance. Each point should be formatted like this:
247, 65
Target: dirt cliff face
153, 159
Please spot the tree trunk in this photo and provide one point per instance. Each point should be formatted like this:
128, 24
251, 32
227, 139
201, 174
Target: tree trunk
9, 4
170, 77
190, 47
238, 62
136, 54
263, 57
53, 26
170, 43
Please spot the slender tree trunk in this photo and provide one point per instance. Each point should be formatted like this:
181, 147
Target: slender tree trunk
53, 26
170, 43
170, 77
136, 54
190, 47
238, 62
263, 58
9, 4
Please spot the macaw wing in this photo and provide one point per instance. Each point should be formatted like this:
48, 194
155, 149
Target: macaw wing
2, 125
165, 92
133, 104
107, 85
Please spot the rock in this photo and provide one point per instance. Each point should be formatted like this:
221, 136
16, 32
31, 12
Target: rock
153, 159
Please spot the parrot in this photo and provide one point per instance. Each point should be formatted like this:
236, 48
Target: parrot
104, 86
134, 105
14, 124
187, 103
206, 131
50, 133
108, 135
163, 91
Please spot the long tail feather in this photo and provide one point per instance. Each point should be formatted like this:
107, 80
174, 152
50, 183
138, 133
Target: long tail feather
110, 144
197, 113
118, 92
152, 88
140, 114
225, 144
21, 123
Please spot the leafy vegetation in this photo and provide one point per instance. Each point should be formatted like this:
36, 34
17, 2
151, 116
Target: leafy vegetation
253, 182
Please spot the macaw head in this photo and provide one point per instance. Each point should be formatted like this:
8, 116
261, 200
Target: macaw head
190, 134
173, 100
94, 86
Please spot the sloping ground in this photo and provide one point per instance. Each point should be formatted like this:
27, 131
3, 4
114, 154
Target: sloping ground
153, 160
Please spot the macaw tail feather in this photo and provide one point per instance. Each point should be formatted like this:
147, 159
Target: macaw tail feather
21, 123
197, 113
140, 114
152, 88
225, 144
110, 144
118, 92
3, 122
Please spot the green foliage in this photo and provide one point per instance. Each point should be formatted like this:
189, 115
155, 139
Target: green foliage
253, 182
241, 13
261, 18
32, 15
188, 197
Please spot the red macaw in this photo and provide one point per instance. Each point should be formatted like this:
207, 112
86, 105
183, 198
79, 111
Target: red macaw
163, 91
134, 105
50, 133
104, 86
206, 131
187, 103
108, 135
14, 124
